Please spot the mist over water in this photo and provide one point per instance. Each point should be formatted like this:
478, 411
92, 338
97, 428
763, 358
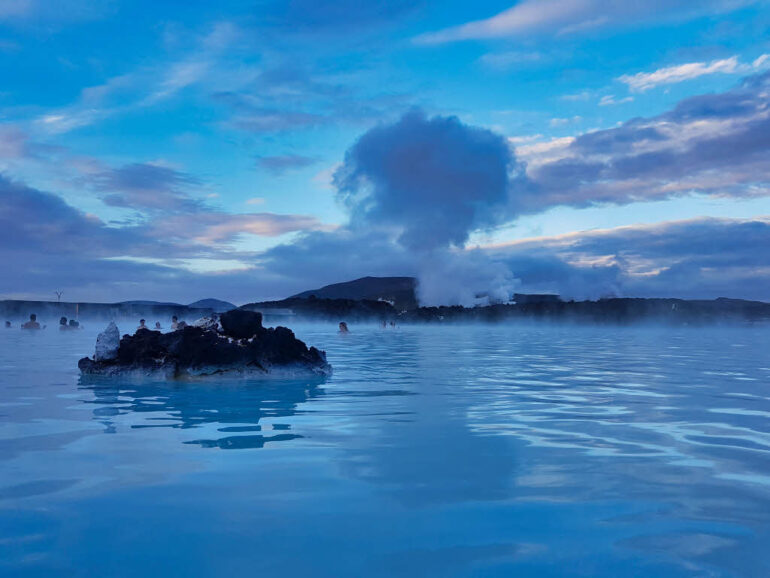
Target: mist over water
494, 450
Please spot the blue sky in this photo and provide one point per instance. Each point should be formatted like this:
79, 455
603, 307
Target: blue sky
249, 150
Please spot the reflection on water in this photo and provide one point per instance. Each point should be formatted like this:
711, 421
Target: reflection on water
233, 407
439, 451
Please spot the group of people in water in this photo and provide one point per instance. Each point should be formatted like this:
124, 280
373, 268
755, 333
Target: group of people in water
175, 324
71, 324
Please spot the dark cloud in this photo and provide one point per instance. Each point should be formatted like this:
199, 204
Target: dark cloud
716, 144
329, 257
276, 120
47, 244
281, 164
146, 186
699, 258
435, 179
266, 113
415, 189
34, 221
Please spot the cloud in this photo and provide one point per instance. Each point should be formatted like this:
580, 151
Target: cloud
32, 221
417, 187
205, 63
697, 258
610, 100
250, 115
434, 179
415, 190
714, 144
46, 243
643, 81
213, 227
532, 17
13, 143
557, 122
146, 186
281, 164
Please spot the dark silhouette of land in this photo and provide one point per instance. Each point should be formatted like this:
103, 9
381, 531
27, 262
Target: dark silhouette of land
152, 310
399, 291
615, 310
394, 299
370, 299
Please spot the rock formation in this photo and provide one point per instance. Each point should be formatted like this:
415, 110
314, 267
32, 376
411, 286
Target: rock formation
235, 342
107, 343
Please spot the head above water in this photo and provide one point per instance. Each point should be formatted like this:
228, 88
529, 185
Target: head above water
7, 323
63, 321
33, 317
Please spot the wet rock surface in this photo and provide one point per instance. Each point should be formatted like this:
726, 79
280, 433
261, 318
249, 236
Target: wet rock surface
235, 342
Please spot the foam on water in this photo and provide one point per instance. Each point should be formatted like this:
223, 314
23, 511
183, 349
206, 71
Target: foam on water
431, 451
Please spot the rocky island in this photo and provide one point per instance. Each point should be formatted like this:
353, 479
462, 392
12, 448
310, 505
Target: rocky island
234, 342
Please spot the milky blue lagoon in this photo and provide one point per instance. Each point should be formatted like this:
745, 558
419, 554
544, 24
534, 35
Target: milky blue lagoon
520, 450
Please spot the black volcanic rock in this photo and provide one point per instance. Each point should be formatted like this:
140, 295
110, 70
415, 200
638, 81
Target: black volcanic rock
239, 345
241, 324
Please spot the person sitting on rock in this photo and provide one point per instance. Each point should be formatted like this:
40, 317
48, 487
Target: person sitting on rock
142, 325
174, 323
344, 327
32, 323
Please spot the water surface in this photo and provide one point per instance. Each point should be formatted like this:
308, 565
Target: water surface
432, 451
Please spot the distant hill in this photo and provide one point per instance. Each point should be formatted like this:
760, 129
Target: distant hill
216, 305
152, 303
16, 309
398, 290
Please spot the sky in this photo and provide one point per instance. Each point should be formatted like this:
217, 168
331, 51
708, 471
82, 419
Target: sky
250, 150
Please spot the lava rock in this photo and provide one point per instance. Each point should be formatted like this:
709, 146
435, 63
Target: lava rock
241, 324
239, 344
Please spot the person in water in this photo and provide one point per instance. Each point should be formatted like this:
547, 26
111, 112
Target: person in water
75, 324
63, 324
157, 326
7, 324
141, 325
32, 323
174, 323
344, 327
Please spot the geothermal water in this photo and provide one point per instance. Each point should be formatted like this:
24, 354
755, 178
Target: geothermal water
519, 450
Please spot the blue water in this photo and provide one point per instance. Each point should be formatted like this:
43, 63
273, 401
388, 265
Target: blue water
432, 451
